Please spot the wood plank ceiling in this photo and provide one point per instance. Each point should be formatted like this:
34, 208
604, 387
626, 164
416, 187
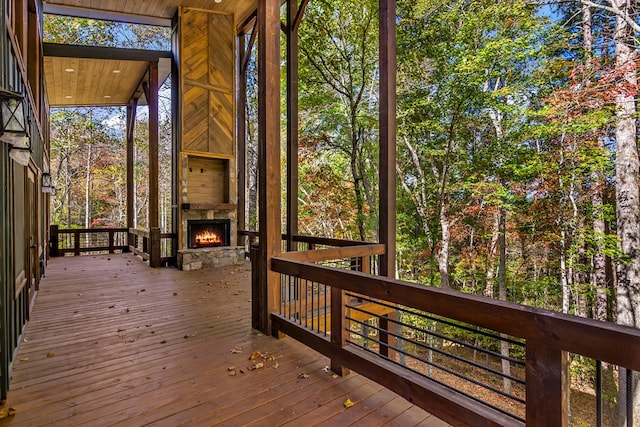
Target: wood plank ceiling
111, 78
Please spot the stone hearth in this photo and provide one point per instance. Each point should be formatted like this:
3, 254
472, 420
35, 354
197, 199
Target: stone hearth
196, 259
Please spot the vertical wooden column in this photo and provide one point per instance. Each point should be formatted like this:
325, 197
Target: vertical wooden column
387, 184
292, 122
130, 134
269, 153
152, 100
241, 149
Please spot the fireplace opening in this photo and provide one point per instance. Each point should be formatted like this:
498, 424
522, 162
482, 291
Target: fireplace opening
208, 233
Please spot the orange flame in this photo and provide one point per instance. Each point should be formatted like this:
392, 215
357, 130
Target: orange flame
207, 238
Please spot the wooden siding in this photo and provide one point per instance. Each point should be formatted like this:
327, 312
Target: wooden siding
113, 342
207, 81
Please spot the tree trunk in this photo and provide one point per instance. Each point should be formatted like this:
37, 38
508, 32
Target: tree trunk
502, 278
87, 190
491, 255
627, 196
443, 253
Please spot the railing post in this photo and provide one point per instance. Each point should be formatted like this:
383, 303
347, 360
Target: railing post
154, 249
339, 332
259, 311
547, 375
111, 235
53, 240
76, 242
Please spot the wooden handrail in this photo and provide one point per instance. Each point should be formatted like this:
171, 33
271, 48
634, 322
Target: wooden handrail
549, 337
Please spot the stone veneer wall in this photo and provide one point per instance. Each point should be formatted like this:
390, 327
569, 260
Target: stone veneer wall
195, 259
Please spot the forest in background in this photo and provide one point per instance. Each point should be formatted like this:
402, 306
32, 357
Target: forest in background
517, 171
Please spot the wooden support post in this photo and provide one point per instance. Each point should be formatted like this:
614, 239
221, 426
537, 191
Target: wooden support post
388, 136
111, 234
53, 240
76, 242
155, 254
241, 149
339, 325
258, 315
387, 40
153, 144
269, 150
292, 123
131, 120
547, 375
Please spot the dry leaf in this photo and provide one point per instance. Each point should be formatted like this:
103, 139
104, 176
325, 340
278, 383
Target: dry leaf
303, 376
276, 365
51, 354
348, 403
7, 412
235, 351
334, 376
255, 355
231, 368
325, 369
24, 359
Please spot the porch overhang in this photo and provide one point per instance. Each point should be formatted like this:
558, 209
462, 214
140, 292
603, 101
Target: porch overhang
99, 76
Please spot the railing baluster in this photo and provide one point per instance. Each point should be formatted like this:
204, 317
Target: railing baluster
76, 242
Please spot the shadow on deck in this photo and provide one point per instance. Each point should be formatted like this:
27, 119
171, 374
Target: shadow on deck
114, 342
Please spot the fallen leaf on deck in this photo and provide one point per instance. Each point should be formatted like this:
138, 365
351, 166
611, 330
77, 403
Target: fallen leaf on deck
175, 294
255, 355
24, 359
276, 365
232, 373
7, 412
334, 376
231, 368
256, 366
148, 325
163, 342
325, 369
112, 306
303, 376
348, 403
51, 354
142, 290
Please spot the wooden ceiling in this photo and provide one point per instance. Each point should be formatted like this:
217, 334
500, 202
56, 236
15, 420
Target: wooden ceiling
139, 11
80, 76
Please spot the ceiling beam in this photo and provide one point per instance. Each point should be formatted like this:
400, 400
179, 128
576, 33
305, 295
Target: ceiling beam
104, 15
96, 52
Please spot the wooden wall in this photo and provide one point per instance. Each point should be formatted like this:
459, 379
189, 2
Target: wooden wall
207, 81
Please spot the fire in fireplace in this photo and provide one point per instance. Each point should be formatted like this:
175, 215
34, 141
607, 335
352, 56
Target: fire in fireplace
208, 233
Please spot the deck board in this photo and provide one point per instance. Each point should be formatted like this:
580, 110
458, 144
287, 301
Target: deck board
114, 342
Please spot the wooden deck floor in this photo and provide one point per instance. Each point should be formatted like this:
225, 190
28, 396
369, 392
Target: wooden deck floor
114, 342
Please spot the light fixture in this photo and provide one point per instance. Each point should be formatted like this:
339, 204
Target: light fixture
116, 71
68, 97
69, 70
107, 96
14, 126
47, 184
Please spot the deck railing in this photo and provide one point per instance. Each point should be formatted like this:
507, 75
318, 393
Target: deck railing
81, 241
153, 246
440, 349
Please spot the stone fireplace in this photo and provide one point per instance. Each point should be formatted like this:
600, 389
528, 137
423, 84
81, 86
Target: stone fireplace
206, 165
208, 226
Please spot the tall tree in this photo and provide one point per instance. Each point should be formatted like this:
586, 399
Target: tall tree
338, 75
